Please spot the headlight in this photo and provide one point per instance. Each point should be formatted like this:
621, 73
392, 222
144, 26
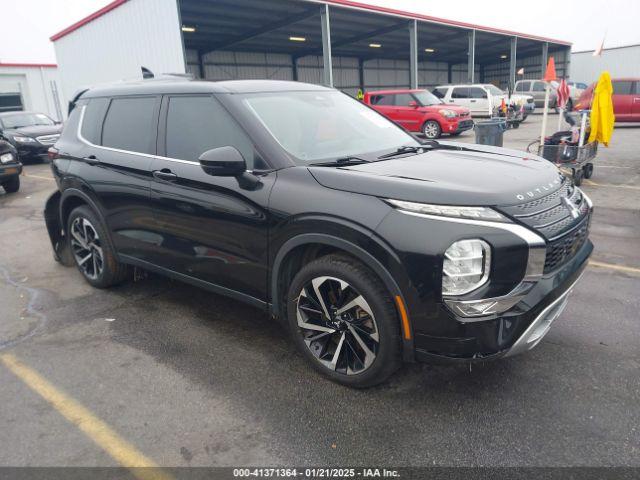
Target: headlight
6, 158
447, 113
477, 213
24, 139
466, 266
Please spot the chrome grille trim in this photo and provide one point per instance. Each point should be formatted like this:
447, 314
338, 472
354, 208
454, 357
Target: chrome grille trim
48, 139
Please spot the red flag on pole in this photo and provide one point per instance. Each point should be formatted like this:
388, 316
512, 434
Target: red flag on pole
563, 93
550, 74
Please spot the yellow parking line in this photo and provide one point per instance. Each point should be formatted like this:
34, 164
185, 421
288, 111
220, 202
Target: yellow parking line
612, 266
38, 176
102, 435
594, 184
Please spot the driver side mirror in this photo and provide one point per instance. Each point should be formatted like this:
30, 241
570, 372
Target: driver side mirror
413, 104
223, 162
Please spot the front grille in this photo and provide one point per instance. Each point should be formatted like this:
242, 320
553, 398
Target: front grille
563, 249
465, 123
562, 218
48, 139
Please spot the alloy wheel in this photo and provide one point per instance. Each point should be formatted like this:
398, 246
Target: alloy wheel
86, 247
337, 325
430, 130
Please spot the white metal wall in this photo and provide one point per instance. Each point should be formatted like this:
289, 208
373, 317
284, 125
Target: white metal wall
114, 46
36, 86
619, 62
498, 73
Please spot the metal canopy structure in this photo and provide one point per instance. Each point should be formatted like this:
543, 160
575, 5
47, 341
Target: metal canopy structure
342, 29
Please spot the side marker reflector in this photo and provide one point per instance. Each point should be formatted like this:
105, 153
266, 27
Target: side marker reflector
406, 328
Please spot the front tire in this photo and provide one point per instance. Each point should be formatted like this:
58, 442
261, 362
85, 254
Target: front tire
92, 251
13, 185
431, 129
344, 322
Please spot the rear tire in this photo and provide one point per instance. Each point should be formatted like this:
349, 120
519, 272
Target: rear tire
91, 249
431, 129
12, 185
358, 346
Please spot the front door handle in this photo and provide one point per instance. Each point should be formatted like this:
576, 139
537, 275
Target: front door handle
165, 174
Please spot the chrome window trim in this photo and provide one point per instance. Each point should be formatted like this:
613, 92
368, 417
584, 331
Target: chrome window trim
533, 273
128, 152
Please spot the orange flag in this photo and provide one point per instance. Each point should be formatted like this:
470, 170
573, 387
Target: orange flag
550, 74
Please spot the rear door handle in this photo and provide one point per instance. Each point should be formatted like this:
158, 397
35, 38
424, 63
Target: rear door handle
91, 160
165, 174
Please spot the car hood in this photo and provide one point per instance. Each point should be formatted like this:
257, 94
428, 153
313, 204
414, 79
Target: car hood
475, 175
36, 130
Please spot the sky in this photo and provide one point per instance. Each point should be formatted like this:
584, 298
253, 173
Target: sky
28, 24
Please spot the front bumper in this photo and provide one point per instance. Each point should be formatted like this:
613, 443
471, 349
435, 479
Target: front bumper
459, 126
34, 150
518, 330
8, 170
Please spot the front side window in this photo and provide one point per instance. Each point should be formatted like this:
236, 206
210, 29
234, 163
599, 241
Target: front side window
460, 92
427, 98
324, 125
495, 91
403, 99
477, 92
199, 123
439, 92
538, 87
523, 86
18, 120
129, 124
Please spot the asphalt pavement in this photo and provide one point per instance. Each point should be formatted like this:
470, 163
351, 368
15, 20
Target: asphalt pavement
180, 376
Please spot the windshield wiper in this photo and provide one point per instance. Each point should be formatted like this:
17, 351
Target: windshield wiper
402, 150
339, 162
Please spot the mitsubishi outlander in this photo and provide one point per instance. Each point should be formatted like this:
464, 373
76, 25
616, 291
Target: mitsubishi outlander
368, 246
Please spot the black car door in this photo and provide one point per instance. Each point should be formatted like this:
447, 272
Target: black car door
118, 140
212, 228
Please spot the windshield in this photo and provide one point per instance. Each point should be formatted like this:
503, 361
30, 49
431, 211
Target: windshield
427, 98
18, 120
494, 90
324, 125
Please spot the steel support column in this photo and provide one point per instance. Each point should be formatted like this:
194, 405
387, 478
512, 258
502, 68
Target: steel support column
449, 73
471, 66
361, 73
203, 75
567, 63
327, 71
512, 63
545, 56
413, 53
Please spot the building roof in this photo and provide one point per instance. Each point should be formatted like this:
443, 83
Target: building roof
341, 3
29, 65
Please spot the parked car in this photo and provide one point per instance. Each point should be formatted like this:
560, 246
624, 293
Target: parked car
626, 99
10, 167
367, 245
31, 133
482, 100
578, 85
420, 111
536, 88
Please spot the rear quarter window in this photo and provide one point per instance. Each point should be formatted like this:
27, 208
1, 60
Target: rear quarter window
129, 124
92, 119
622, 87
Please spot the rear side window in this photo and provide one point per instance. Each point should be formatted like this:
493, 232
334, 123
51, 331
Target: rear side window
382, 100
129, 124
92, 119
439, 92
196, 124
460, 92
622, 87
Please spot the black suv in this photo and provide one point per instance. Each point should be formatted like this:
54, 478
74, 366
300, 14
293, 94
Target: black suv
370, 247
31, 133
10, 167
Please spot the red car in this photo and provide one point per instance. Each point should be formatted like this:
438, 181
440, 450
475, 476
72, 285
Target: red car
626, 99
420, 111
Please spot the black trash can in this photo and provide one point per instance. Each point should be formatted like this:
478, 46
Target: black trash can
490, 132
